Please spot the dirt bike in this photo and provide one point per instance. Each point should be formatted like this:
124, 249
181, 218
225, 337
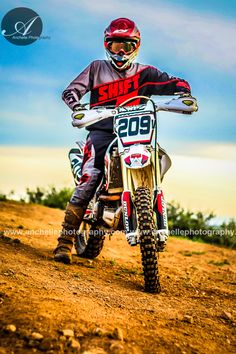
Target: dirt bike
129, 197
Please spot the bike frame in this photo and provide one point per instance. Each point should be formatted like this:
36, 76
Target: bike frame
136, 130
140, 198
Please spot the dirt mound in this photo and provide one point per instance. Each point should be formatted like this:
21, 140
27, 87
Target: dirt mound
99, 306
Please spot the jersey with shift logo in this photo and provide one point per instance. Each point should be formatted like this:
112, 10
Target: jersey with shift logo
110, 87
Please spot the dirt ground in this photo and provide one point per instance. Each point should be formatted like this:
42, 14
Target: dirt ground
97, 307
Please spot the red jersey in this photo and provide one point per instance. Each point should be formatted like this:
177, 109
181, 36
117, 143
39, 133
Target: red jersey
109, 86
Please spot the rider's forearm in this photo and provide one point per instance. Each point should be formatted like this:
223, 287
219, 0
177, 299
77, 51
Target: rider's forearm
77, 88
172, 84
163, 84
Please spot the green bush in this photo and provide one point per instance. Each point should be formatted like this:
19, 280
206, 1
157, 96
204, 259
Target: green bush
185, 223
181, 219
35, 196
196, 226
3, 197
51, 197
229, 227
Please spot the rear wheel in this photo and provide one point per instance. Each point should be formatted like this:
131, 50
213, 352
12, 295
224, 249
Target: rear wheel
143, 204
89, 241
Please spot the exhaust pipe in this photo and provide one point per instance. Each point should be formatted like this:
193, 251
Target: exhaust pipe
111, 218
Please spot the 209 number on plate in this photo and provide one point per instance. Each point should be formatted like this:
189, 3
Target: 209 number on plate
134, 126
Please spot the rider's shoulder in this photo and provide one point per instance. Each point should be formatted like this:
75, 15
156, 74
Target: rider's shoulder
147, 67
98, 62
99, 65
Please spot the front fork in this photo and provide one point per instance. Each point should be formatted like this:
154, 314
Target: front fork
159, 207
129, 218
130, 184
129, 212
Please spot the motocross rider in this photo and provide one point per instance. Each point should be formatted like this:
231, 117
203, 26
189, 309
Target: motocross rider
110, 82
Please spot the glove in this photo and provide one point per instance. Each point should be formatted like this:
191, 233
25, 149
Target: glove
183, 94
79, 107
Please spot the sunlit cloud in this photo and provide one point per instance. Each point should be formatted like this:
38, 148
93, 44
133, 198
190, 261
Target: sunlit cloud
197, 183
206, 184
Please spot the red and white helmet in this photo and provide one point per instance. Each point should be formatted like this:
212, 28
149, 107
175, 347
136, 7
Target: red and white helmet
122, 41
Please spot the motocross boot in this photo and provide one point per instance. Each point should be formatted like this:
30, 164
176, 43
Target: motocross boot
73, 218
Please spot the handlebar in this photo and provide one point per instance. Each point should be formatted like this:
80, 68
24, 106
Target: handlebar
184, 104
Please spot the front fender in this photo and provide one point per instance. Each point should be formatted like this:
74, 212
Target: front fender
136, 157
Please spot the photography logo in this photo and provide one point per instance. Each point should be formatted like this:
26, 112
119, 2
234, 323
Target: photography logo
21, 26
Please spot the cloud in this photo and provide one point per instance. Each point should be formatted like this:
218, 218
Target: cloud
25, 120
29, 77
38, 118
182, 31
32, 86
206, 149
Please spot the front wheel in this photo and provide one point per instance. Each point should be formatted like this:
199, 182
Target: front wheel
89, 241
143, 204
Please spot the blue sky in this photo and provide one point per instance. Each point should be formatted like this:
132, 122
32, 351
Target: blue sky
195, 41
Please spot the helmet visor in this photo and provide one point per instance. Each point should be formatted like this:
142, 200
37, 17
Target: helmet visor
117, 46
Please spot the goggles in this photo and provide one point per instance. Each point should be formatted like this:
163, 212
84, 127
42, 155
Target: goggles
116, 46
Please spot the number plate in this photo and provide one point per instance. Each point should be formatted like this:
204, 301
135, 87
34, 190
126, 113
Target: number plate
134, 128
